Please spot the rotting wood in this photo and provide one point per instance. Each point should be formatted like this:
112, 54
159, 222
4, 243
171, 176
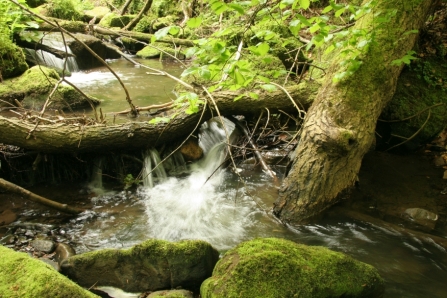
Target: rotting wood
11, 187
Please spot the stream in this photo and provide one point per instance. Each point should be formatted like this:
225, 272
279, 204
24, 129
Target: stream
214, 206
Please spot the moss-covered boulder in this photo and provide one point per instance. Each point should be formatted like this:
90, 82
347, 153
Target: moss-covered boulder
159, 49
111, 20
151, 265
12, 59
271, 267
22, 276
33, 87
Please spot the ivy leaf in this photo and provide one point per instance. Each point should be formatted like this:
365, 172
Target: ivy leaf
174, 30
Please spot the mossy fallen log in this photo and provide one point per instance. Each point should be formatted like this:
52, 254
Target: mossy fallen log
61, 137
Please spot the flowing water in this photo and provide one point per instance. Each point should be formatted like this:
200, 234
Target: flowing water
200, 202
213, 206
144, 89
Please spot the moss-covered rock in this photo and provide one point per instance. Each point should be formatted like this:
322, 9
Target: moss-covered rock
151, 265
273, 267
111, 20
22, 276
12, 59
418, 89
157, 50
33, 87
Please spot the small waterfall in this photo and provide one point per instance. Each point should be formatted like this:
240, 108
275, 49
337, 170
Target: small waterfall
95, 184
152, 160
200, 206
48, 59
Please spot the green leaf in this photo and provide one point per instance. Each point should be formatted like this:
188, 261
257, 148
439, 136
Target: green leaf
269, 87
264, 79
161, 33
327, 9
340, 12
238, 77
304, 4
237, 7
239, 97
157, 120
174, 30
330, 49
263, 48
219, 7
314, 28
194, 22
253, 95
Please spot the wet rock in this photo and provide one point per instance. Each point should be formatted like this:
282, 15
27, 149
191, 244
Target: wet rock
191, 150
46, 246
51, 263
63, 251
149, 266
8, 239
22, 276
7, 217
422, 217
21, 240
171, 294
271, 267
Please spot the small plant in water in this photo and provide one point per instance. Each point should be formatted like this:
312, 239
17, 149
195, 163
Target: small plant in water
130, 181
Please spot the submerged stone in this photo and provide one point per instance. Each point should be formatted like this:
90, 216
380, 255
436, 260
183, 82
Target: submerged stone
151, 265
271, 267
23, 276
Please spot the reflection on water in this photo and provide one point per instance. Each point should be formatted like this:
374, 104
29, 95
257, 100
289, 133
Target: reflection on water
144, 89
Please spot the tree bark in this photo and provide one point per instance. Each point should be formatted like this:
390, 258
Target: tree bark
134, 22
60, 138
339, 127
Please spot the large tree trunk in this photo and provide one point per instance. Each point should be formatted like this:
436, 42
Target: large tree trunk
59, 138
339, 127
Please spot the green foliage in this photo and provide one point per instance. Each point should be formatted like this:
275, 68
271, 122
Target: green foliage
190, 100
431, 75
130, 181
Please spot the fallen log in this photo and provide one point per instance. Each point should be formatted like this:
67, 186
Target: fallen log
11, 187
61, 137
145, 37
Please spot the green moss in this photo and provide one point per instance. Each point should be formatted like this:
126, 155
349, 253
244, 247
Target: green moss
419, 88
156, 50
12, 59
35, 85
111, 20
22, 276
280, 268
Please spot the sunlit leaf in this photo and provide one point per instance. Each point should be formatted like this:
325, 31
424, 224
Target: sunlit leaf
194, 22
304, 4
253, 95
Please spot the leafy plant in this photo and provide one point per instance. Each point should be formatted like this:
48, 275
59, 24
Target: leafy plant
130, 181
